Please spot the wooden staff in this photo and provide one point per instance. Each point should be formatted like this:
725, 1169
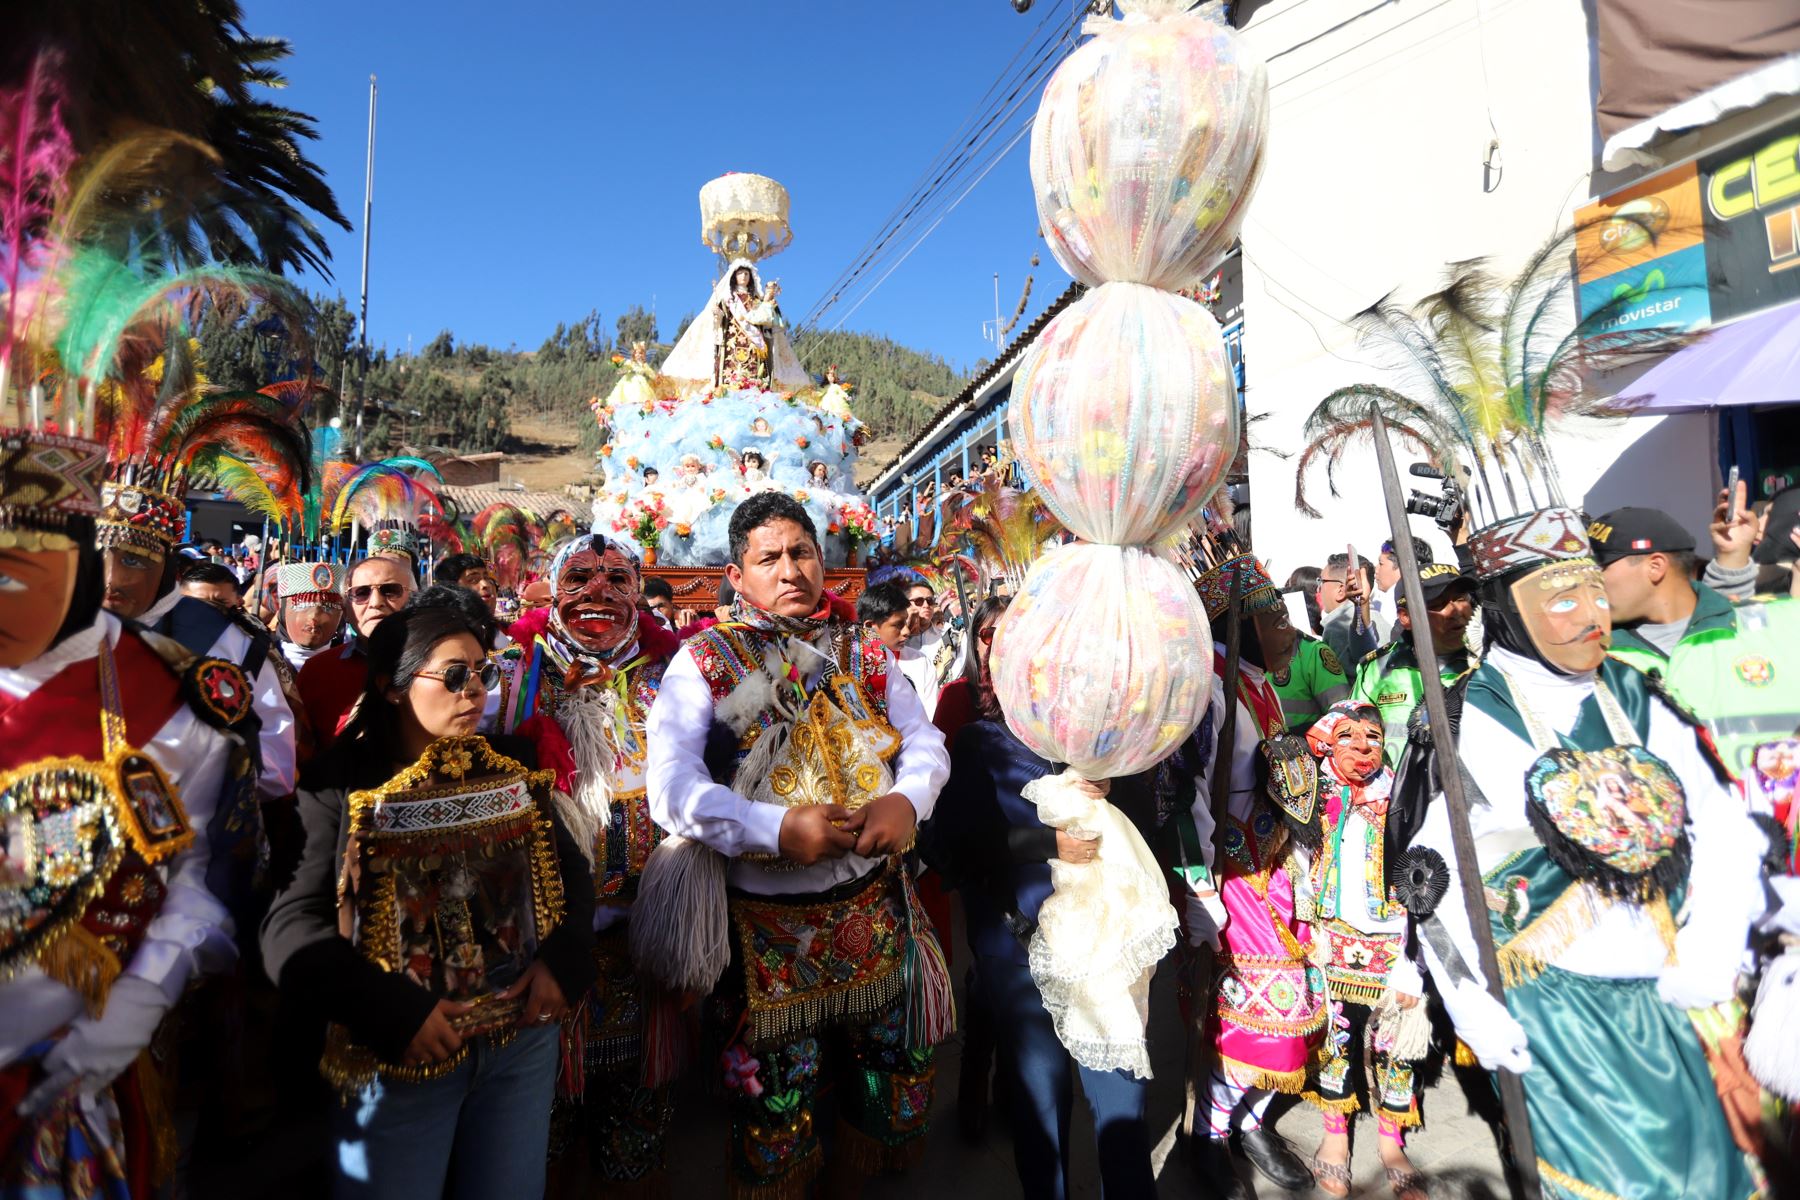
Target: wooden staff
1512, 1087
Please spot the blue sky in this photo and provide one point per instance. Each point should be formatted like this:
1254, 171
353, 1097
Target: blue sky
540, 158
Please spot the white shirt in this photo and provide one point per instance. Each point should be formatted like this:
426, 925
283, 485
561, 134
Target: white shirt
685, 801
1724, 882
193, 932
279, 767
917, 669
298, 656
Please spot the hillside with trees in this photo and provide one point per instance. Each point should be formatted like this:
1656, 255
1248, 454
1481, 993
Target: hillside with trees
466, 397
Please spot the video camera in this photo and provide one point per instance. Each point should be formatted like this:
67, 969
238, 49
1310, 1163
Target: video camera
1447, 509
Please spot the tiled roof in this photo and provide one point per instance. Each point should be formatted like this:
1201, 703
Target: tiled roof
472, 500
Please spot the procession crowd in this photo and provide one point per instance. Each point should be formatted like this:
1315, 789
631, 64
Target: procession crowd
500, 883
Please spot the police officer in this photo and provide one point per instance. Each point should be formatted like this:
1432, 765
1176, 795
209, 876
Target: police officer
1735, 667
1310, 684
1389, 677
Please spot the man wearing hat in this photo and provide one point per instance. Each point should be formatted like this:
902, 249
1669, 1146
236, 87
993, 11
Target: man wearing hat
310, 609
1735, 667
1389, 677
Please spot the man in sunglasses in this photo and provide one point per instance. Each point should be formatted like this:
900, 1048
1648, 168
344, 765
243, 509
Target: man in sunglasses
329, 683
591, 666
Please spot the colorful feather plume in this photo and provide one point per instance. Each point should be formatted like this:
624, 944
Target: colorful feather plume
507, 534
1491, 364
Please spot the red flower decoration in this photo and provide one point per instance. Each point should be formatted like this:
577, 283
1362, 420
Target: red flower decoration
854, 936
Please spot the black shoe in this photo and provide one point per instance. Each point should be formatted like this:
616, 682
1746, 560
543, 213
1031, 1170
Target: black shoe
1216, 1170
1270, 1154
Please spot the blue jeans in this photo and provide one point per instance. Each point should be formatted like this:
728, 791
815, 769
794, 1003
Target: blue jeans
483, 1130
1043, 1095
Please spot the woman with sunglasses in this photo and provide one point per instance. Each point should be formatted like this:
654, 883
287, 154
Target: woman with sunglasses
439, 920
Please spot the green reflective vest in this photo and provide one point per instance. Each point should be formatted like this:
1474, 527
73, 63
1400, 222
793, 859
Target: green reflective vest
1389, 679
1313, 682
1736, 668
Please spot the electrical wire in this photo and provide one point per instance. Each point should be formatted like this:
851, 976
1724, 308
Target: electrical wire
962, 155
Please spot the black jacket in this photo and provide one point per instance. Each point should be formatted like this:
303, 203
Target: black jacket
322, 972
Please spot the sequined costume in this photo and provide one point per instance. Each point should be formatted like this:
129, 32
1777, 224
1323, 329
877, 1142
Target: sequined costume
832, 965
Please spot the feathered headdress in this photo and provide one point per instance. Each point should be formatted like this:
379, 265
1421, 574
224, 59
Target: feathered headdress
1004, 529
391, 501
506, 534
1495, 363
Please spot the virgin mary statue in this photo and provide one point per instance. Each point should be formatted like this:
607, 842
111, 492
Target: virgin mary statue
739, 341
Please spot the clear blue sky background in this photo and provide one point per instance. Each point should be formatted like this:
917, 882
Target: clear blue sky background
541, 158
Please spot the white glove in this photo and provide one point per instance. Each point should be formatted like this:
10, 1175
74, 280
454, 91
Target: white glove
1206, 919
1699, 986
1488, 1029
97, 1050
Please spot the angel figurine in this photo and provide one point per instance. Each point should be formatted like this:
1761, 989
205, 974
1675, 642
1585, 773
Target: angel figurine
835, 399
688, 496
635, 388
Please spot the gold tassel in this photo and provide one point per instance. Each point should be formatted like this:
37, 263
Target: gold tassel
82, 963
871, 1156
1574, 913
1464, 1056
793, 1184
1346, 1106
1245, 1075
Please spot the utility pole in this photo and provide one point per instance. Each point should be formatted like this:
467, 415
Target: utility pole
362, 320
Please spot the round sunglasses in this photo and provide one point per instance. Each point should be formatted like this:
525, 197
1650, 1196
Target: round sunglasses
457, 676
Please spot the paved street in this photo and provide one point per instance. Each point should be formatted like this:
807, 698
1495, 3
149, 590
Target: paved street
1455, 1148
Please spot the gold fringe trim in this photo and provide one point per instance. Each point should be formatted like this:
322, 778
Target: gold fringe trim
809, 1013
1665, 925
1357, 993
1344, 1107
1572, 914
82, 963
791, 1186
165, 1146
1464, 1057
871, 1156
1409, 1119
1571, 1185
1245, 1075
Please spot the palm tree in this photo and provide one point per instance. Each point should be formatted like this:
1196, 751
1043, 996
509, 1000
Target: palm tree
190, 67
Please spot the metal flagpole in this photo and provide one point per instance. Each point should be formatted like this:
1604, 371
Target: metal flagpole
362, 317
1512, 1087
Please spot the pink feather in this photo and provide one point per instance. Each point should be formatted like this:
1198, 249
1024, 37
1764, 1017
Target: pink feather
36, 155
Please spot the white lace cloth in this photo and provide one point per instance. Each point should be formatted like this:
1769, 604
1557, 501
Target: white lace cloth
1101, 932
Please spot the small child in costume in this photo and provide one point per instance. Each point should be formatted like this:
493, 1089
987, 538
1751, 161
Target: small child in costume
1378, 1024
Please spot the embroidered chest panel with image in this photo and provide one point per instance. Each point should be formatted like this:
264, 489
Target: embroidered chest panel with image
450, 879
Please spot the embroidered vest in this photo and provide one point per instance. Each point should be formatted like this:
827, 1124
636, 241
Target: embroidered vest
626, 833
1603, 808
450, 878
83, 835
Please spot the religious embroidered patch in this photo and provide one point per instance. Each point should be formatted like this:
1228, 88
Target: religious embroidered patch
1615, 817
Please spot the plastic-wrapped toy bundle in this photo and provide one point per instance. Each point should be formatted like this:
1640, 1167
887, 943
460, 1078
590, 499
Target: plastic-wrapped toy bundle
1103, 660
1125, 415
1144, 152
1147, 145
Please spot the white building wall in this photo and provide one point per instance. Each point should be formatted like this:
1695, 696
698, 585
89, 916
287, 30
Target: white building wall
1375, 179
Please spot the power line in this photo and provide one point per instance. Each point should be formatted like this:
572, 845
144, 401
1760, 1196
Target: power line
1042, 51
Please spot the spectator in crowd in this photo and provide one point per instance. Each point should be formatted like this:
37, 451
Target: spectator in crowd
214, 584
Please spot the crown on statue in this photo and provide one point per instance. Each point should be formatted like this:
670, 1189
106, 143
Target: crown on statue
744, 216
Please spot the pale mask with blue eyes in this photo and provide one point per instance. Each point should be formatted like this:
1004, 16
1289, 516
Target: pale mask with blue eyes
1564, 609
